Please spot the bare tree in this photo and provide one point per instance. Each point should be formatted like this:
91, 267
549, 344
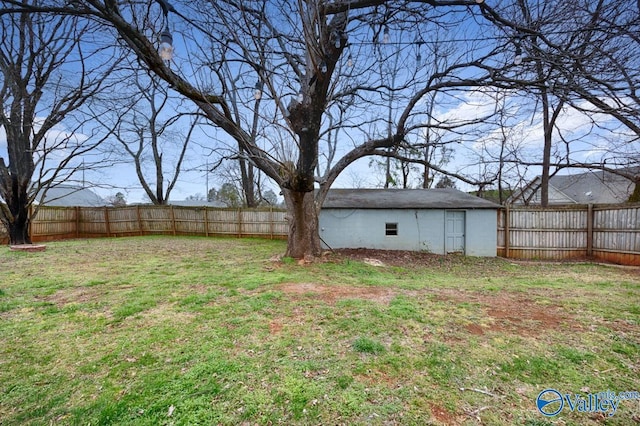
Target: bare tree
434, 152
428, 143
149, 126
305, 73
607, 77
606, 58
531, 59
249, 176
582, 55
300, 53
43, 67
500, 154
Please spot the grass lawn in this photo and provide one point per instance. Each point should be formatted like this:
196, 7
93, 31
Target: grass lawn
197, 331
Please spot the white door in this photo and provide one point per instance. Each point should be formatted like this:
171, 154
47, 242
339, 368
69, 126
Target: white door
454, 231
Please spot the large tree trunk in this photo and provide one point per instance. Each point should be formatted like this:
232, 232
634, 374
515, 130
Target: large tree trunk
14, 185
16, 215
19, 230
546, 151
635, 195
304, 238
550, 116
248, 183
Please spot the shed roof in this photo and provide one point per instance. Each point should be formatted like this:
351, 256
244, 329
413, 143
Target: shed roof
404, 199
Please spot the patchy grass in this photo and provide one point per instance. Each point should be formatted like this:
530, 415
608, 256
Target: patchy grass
158, 330
368, 346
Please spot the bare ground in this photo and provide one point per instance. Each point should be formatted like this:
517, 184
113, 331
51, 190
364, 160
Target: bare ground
514, 313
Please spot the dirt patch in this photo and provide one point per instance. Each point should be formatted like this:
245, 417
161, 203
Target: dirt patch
395, 257
164, 313
525, 314
516, 313
332, 293
474, 329
77, 295
442, 415
199, 288
375, 378
461, 264
275, 327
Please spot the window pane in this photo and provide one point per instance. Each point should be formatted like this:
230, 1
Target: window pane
391, 229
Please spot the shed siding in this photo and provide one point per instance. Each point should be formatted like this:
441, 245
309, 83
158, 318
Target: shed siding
481, 236
418, 230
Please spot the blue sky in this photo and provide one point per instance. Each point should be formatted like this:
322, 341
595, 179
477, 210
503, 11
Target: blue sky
526, 130
591, 147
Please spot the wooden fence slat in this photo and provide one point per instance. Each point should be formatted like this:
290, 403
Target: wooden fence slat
507, 235
139, 220
206, 222
106, 221
590, 230
173, 220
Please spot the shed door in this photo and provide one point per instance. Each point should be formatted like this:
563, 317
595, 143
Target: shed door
454, 231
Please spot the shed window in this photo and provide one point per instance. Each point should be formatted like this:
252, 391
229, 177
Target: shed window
390, 229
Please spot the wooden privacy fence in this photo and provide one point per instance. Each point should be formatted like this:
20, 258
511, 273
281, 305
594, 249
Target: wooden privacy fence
610, 233
54, 223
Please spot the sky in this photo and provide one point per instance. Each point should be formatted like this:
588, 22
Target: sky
195, 180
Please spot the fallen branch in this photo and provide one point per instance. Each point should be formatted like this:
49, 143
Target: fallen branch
475, 413
484, 392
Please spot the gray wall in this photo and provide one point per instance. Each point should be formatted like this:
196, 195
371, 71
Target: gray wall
481, 235
418, 230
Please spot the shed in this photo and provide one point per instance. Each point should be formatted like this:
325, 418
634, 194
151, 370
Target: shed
438, 221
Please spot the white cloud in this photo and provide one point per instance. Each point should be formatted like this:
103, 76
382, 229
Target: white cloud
597, 153
527, 131
59, 137
472, 106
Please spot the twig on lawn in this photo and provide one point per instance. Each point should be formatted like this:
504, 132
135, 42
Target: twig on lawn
484, 392
476, 413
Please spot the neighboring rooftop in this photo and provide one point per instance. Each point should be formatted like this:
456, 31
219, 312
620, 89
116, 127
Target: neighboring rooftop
404, 199
71, 196
591, 187
197, 203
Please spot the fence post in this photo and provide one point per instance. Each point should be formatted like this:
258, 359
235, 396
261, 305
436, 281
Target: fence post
106, 221
271, 224
239, 223
31, 219
77, 209
590, 230
139, 218
206, 221
507, 225
173, 219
